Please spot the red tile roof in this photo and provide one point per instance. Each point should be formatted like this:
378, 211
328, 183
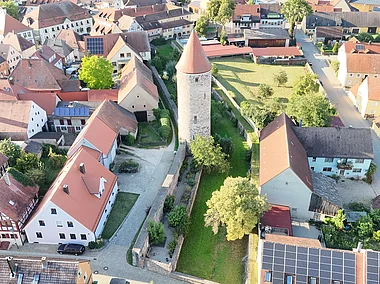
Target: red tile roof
14, 116
278, 217
11, 24
73, 39
276, 51
100, 95
47, 101
247, 9
373, 88
193, 59
225, 50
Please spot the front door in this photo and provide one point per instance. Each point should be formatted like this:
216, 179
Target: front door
341, 172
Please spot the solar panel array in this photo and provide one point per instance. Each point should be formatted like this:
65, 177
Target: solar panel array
67, 111
373, 271
95, 45
304, 262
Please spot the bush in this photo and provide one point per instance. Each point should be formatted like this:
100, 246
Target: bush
369, 175
248, 155
20, 177
225, 143
38, 176
335, 47
172, 244
169, 203
179, 219
358, 206
128, 139
156, 233
158, 41
214, 70
376, 236
193, 166
11, 150
129, 166
97, 244
165, 128
26, 162
91, 245
57, 160
158, 63
335, 65
170, 68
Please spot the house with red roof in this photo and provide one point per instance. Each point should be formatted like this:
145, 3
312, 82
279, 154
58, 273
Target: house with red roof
366, 97
9, 24
16, 204
78, 203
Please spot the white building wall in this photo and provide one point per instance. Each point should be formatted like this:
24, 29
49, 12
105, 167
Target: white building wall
83, 142
363, 93
76, 122
194, 105
287, 189
37, 119
50, 232
13, 58
106, 211
107, 160
320, 163
342, 72
272, 23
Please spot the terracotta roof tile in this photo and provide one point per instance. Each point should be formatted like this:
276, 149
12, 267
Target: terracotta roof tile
18, 42
193, 59
11, 24
278, 217
72, 38
288, 240
354, 89
373, 88
276, 51
101, 95
47, 101
247, 9
14, 116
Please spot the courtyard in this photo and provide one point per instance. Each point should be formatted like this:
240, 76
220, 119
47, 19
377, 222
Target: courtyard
242, 77
356, 191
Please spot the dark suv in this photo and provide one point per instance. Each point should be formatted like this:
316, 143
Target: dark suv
75, 249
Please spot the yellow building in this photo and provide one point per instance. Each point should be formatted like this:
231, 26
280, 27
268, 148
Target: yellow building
366, 97
365, 5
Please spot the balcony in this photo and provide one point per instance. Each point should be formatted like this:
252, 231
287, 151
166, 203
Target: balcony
345, 165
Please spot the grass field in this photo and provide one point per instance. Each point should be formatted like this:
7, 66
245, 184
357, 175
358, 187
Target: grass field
243, 77
165, 49
123, 204
204, 254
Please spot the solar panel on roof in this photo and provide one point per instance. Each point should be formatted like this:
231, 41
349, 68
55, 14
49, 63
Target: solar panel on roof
95, 45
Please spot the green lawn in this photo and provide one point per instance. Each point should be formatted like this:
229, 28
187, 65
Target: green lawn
165, 49
203, 254
123, 204
242, 77
148, 133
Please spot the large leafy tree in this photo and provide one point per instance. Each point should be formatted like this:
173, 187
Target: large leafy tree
220, 11
306, 84
312, 108
201, 26
11, 7
261, 115
280, 78
156, 232
294, 11
27, 161
96, 72
209, 155
237, 205
11, 150
366, 37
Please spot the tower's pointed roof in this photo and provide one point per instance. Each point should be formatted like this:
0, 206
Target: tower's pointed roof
193, 59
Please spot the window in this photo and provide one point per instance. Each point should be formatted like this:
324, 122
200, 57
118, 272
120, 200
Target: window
359, 161
83, 237
61, 122
358, 75
53, 211
312, 168
69, 122
85, 277
73, 237
329, 160
355, 31
327, 169
114, 64
83, 121
129, 54
39, 235
42, 223
356, 170
70, 224
78, 128
314, 159
63, 128
122, 55
195, 119
59, 224
268, 276
196, 79
62, 236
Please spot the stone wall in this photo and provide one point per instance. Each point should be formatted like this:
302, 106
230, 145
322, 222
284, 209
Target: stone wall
141, 246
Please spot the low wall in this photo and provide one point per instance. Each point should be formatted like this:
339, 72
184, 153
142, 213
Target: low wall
141, 246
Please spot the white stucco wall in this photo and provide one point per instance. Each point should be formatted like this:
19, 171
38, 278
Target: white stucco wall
50, 232
288, 190
108, 159
37, 119
363, 93
321, 163
194, 105
342, 72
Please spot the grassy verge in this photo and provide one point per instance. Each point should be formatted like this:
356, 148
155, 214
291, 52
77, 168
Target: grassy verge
204, 254
123, 204
252, 260
165, 49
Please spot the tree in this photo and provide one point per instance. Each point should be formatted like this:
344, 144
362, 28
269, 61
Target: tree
212, 9
214, 70
170, 68
226, 143
265, 91
201, 26
169, 203
366, 37
179, 219
335, 47
306, 84
157, 62
11, 7
56, 160
226, 11
294, 11
209, 155
376, 236
11, 150
261, 115
281, 78
38, 176
237, 205
156, 233
376, 38
364, 227
313, 109
96, 72
26, 162
338, 219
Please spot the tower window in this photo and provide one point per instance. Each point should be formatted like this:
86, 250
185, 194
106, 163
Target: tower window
204, 95
195, 119
196, 79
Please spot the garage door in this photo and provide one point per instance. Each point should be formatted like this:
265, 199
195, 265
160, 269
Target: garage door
141, 116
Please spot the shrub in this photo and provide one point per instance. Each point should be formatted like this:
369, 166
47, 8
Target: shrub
129, 166
214, 70
11, 150
91, 245
156, 233
169, 203
172, 244
376, 236
280, 78
158, 41
165, 128
248, 155
369, 175
128, 139
38, 176
26, 162
170, 68
20, 177
335, 65
225, 143
335, 47
358, 206
193, 166
158, 63
364, 227
179, 219
56, 160
157, 113
97, 244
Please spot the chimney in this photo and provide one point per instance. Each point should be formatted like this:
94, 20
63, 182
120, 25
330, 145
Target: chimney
301, 122
359, 247
82, 169
11, 80
6, 178
167, 12
66, 188
29, 63
12, 266
44, 262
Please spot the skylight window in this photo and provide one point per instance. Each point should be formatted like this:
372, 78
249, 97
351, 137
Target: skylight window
11, 202
360, 47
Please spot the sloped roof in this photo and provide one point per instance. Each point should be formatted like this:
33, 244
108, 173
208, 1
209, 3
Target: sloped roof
47, 101
329, 32
17, 41
344, 19
276, 51
366, 2
59, 46
101, 95
363, 63
247, 9
80, 204
373, 88
279, 217
72, 38
46, 53
38, 74
193, 59
14, 116
266, 34
280, 149
336, 142
326, 188
18, 195
11, 24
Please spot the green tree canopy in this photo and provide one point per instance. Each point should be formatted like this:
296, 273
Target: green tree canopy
280, 78
96, 72
265, 91
306, 84
313, 109
335, 47
339, 219
201, 26
179, 219
260, 115
294, 11
11, 7
366, 37
26, 162
209, 155
156, 233
11, 150
237, 205
220, 11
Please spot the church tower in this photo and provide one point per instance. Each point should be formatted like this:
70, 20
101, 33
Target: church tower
193, 91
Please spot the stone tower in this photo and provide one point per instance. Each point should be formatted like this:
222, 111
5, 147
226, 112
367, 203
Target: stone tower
193, 91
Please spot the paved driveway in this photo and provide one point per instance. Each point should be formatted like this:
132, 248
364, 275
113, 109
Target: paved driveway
356, 191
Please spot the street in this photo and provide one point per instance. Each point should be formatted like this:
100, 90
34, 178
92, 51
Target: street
338, 97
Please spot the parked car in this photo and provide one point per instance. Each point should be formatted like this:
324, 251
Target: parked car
75, 249
119, 281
